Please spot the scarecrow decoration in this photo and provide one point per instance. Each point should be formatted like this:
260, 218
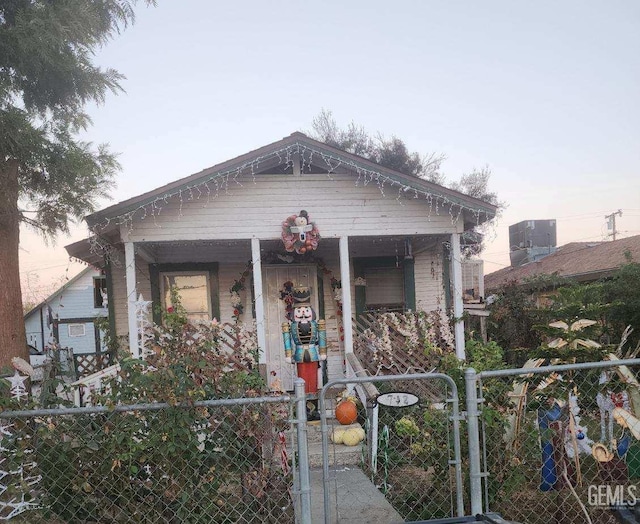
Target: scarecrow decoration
299, 234
618, 454
305, 340
562, 436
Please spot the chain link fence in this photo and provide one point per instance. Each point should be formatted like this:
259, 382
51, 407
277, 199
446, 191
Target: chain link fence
558, 444
553, 444
408, 465
215, 461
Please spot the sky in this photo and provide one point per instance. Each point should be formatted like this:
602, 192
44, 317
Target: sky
545, 93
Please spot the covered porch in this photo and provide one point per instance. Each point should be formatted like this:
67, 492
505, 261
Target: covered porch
242, 280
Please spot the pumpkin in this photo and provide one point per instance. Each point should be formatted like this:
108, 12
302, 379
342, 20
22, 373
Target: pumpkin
346, 412
337, 436
353, 436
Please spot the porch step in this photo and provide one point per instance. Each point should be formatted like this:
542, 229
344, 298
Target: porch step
339, 454
314, 429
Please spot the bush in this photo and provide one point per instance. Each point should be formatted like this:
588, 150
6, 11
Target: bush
180, 463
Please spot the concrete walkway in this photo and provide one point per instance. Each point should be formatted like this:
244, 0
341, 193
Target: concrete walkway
358, 501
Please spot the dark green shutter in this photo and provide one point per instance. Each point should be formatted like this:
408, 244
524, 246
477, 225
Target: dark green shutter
409, 284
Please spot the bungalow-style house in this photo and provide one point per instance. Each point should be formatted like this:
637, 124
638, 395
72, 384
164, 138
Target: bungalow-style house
577, 261
297, 212
67, 316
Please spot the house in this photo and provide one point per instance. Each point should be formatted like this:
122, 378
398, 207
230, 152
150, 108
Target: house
67, 316
217, 236
578, 261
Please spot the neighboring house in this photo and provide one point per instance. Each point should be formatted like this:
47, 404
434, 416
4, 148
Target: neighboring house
578, 261
393, 239
67, 316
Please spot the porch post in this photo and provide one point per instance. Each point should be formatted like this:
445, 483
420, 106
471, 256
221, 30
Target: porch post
259, 299
458, 308
130, 273
345, 278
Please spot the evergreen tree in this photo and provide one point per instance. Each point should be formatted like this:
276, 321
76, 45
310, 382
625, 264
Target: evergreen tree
47, 175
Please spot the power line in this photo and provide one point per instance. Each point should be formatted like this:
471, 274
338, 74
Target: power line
42, 268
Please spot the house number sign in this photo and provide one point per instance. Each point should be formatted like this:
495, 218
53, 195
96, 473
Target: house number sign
397, 399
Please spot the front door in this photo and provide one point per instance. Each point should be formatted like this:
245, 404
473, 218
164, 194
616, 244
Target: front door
273, 280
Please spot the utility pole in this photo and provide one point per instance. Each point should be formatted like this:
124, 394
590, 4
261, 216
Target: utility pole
611, 222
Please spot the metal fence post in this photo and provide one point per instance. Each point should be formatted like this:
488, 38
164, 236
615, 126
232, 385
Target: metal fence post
303, 451
475, 476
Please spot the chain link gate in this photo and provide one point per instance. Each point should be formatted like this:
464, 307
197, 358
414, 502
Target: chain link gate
229, 460
409, 466
555, 444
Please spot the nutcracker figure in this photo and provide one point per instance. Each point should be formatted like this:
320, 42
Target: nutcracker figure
305, 343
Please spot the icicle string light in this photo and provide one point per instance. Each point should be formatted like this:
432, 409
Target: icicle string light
220, 180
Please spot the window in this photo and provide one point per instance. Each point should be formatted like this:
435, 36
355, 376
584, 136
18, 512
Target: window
384, 284
193, 288
100, 292
195, 282
384, 289
76, 330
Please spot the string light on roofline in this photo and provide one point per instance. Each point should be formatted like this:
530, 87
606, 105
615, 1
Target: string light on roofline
220, 180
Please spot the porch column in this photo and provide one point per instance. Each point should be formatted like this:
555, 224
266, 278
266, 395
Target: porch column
345, 278
456, 281
130, 273
259, 299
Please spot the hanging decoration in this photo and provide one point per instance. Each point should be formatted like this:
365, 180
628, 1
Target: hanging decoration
235, 292
18, 474
299, 234
18, 389
286, 294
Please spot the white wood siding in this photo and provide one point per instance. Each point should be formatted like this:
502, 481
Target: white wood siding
143, 285
257, 209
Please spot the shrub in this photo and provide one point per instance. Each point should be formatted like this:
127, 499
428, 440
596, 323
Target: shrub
178, 464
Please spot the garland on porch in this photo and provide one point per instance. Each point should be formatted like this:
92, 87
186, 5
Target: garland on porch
286, 294
336, 289
234, 292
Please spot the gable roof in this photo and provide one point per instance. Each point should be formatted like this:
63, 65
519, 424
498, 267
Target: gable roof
272, 154
582, 261
60, 290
